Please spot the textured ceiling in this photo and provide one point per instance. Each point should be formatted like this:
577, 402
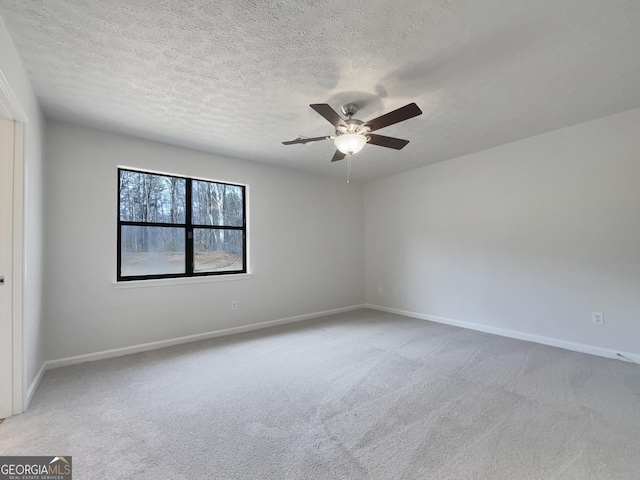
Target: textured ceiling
236, 77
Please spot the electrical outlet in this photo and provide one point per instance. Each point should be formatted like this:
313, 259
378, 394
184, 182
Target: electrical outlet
234, 305
395, 292
597, 318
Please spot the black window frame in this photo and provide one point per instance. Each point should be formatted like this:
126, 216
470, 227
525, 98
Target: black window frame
188, 226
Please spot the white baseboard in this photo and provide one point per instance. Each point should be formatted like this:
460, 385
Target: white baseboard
552, 342
119, 352
34, 386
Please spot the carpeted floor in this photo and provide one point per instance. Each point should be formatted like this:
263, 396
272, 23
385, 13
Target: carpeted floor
363, 395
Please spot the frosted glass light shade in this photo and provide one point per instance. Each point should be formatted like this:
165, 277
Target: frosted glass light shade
350, 142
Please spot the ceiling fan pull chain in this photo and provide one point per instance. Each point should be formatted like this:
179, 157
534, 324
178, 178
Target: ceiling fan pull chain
348, 167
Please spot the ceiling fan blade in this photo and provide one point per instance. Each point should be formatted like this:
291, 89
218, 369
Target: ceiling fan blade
399, 115
305, 140
338, 156
329, 114
389, 142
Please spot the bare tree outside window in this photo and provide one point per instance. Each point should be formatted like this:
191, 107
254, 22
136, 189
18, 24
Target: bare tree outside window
171, 226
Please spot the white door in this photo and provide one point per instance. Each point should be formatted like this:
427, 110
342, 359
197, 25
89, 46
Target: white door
6, 268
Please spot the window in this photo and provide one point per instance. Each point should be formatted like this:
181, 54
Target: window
171, 226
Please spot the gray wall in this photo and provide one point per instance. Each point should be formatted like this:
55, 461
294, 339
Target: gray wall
12, 69
306, 238
527, 237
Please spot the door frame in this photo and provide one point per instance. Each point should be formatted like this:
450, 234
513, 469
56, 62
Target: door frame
11, 109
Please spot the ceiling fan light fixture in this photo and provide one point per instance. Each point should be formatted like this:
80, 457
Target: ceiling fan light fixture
350, 143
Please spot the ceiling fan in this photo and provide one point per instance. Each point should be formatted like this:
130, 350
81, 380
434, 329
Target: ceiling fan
351, 134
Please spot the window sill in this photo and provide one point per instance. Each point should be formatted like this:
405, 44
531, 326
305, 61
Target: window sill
164, 282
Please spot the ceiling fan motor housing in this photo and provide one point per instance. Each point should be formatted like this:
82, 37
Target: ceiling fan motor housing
352, 126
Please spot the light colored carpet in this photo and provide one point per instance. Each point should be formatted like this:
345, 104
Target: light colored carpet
363, 395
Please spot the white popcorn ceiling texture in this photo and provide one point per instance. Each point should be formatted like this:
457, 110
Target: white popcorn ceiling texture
236, 77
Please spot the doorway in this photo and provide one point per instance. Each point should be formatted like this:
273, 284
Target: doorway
12, 121
7, 132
